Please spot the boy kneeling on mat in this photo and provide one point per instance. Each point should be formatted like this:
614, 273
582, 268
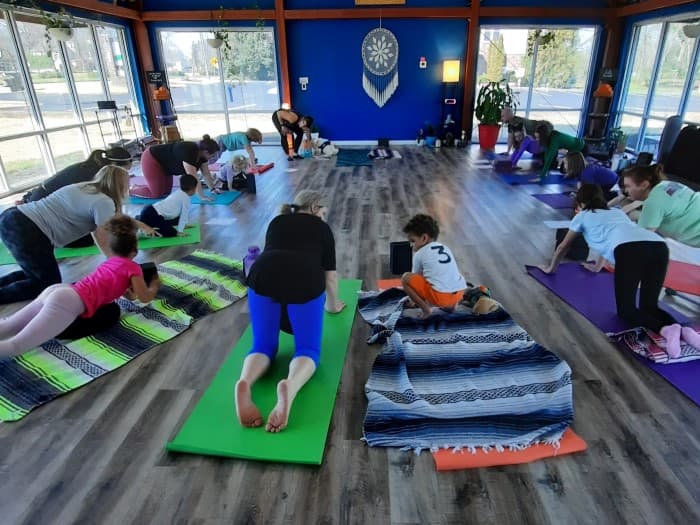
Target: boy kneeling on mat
169, 216
435, 279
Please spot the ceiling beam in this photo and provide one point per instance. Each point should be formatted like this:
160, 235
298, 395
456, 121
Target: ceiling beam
213, 16
377, 12
649, 6
102, 8
544, 12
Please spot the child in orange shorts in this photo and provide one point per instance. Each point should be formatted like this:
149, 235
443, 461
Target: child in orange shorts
435, 279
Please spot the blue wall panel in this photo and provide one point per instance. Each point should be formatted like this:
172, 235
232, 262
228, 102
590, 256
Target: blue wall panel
329, 53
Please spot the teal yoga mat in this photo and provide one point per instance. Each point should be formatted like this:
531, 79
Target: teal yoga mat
224, 198
213, 429
145, 243
353, 157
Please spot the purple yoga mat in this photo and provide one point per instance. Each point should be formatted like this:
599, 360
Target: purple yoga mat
557, 201
553, 177
593, 296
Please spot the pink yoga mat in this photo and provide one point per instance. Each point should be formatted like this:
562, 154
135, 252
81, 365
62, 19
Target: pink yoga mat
593, 296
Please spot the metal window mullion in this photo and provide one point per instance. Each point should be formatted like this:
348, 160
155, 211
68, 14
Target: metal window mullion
222, 90
32, 98
652, 85
105, 83
690, 80
628, 75
130, 85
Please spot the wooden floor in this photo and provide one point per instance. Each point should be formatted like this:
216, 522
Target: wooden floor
96, 455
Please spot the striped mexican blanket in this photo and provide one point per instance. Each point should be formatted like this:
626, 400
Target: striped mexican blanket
191, 288
460, 380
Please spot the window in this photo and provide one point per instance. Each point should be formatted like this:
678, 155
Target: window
218, 91
661, 81
49, 92
550, 80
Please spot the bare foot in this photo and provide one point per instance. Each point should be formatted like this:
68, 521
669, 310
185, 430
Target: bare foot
277, 420
426, 312
248, 414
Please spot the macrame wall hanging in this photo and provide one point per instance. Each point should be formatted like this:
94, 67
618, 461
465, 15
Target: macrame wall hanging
380, 60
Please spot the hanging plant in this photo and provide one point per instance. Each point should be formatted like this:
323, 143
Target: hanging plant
220, 36
544, 37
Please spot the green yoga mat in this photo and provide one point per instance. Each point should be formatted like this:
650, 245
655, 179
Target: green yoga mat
213, 429
224, 198
145, 243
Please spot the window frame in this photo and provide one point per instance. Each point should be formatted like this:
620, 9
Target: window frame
34, 107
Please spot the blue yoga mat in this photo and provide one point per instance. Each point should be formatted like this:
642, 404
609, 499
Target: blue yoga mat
353, 157
551, 178
224, 198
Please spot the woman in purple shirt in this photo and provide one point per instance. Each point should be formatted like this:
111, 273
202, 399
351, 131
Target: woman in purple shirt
576, 168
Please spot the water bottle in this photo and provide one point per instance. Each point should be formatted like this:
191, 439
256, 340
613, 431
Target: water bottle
250, 257
438, 143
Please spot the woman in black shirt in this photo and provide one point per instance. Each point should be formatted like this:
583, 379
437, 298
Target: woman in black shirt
296, 273
159, 164
80, 172
290, 123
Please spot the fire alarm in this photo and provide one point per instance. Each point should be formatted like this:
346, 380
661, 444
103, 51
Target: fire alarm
422, 63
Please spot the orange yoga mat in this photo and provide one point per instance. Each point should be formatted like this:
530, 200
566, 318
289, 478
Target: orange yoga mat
447, 460
683, 277
385, 284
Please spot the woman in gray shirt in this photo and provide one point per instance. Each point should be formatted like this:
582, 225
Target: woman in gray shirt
31, 231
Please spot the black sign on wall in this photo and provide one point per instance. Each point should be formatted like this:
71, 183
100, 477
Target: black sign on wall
156, 77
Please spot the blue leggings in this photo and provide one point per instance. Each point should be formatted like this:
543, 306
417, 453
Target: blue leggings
306, 320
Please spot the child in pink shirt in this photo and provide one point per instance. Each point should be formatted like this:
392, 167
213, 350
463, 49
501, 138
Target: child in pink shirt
59, 305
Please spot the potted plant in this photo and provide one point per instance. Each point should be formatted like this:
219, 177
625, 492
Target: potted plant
220, 36
618, 140
492, 98
59, 25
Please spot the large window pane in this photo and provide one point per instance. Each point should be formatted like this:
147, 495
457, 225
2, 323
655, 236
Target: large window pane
674, 67
642, 67
692, 111
248, 94
47, 71
652, 134
86, 73
250, 73
15, 116
23, 161
68, 147
554, 89
115, 60
564, 121
631, 124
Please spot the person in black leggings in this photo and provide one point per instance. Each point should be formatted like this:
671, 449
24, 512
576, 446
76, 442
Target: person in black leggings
289, 122
640, 258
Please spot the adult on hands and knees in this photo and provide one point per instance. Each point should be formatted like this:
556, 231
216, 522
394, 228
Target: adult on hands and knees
295, 277
31, 231
160, 163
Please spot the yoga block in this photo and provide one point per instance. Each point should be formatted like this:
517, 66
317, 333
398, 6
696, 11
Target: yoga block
262, 168
503, 165
400, 257
578, 250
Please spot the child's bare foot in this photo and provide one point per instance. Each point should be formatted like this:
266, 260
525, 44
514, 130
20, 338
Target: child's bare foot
248, 414
426, 312
277, 420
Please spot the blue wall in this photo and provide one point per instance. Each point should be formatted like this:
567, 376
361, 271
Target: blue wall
329, 53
